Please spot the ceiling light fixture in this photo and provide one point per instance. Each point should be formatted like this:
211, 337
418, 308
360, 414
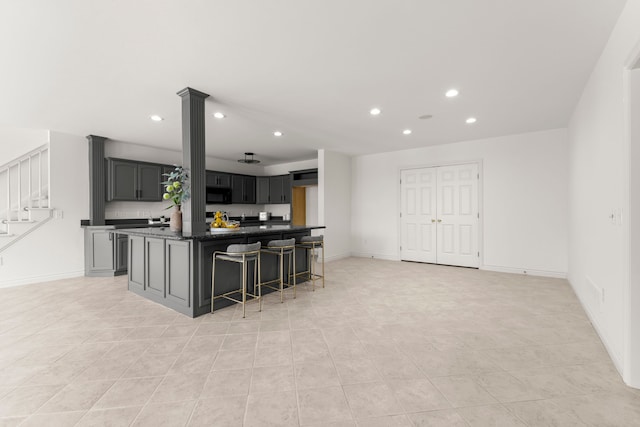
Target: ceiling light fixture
471, 120
250, 160
425, 117
375, 111
277, 133
451, 93
406, 132
219, 115
156, 118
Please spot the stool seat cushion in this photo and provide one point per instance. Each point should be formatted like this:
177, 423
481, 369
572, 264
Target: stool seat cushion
281, 243
310, 239
240, 248
237, 257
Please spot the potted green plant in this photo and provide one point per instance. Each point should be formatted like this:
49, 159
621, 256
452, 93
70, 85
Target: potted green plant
177, 190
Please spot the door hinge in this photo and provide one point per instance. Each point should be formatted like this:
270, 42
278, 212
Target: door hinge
478, 215
478, 254
400, 181
400, 247
400, 214
478, 175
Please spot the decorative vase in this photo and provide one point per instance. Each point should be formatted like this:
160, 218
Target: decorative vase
175, 223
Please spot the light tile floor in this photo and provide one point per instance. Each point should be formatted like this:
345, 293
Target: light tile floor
384, 344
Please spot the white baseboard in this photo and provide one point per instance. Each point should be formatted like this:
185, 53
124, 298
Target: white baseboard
375, 255
38, 279
543, 273
615, 358
337, 257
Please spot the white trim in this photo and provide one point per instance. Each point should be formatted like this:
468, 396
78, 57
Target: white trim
337, 257
603, 337
387, 257
525, 271
43, 278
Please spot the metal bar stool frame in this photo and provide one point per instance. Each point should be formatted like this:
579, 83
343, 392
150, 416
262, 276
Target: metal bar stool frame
310, 247
281, 251
244, 258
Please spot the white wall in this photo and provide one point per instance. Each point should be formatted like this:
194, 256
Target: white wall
334, 203
16, 142
56, 250
524, 199
597, 184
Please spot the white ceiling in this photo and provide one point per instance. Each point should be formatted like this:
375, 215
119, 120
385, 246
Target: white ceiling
312, 69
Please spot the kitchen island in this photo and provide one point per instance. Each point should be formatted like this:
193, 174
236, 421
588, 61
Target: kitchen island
174, 269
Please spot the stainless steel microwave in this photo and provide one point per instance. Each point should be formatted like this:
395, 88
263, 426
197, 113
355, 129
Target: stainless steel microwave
218, 196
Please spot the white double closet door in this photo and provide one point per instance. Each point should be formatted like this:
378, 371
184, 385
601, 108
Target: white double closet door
439, 215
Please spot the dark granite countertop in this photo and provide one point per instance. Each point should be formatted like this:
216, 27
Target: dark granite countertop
216, 233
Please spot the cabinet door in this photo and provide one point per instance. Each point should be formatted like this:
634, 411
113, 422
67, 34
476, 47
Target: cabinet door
237, 189
149, 178
275, 189
123, 180
121, 253
218, 179
154, 279
250, 189
99, 250
178, 272
263, 189
136, 263
286, 189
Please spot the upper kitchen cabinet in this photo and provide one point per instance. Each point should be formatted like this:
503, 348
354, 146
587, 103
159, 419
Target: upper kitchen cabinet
218, 179
273, 189
243, 189
128, 180
262, 190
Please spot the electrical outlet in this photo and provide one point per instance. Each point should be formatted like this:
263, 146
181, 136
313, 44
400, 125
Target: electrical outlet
58, 214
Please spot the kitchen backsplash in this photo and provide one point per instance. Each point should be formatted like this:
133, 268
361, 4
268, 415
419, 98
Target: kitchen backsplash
121, 210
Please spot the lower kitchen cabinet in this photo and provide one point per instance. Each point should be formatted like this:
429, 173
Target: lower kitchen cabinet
160, 269
105, 253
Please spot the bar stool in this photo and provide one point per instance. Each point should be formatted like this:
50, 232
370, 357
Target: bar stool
242, 254
309, 244
280, 248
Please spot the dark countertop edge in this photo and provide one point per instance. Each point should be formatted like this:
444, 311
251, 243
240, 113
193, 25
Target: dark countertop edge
207, 235
139, 222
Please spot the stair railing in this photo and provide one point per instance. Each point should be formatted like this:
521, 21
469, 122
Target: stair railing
28, 174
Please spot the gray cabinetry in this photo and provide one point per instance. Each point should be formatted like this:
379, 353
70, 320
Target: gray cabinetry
178, 272
280, 189
121, 254
154, 266
262, 190
273, 189
104, 253
128, 180
218, 179
136, 263
149, 182
243, 189
161, 270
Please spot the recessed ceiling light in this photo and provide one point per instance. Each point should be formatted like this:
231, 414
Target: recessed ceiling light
277, 133
425, 117
375, 111
406, 132
452, 93
471, 120
156, 118
218, 115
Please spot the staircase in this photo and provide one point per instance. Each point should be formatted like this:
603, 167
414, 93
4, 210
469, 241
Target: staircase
24, 196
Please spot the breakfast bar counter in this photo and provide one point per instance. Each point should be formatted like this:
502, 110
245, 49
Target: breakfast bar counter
174, 268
